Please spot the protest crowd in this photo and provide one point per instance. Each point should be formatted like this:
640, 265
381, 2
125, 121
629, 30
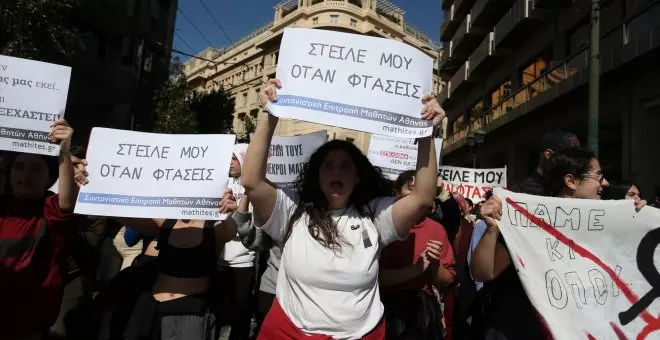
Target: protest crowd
341, 253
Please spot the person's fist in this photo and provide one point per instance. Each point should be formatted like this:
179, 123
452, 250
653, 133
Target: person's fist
61, 134
228, 202
491, 211
269, 92
432, 110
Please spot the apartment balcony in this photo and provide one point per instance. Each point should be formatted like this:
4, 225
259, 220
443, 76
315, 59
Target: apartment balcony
550, 3
517, 23
445, 4
462, 7
444, 94
617, 49
483, 59
461, 84
486, 13
449, 25
449, 63
467, 38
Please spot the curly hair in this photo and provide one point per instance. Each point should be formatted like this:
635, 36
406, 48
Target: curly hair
313, 202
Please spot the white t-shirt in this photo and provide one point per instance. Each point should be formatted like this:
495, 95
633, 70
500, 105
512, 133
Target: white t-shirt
234, 253
327, 293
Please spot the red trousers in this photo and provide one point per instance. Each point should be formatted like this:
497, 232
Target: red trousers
278, 326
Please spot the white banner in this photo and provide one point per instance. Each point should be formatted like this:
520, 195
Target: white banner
287, 156
589, 267
139, 174
472, 183
353, 81
32, 96
396, 155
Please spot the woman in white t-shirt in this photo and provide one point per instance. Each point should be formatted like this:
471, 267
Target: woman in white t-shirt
334, 225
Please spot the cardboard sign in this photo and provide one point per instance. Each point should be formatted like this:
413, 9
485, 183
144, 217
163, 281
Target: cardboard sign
139, 174
588, 267
32, 96
353, 81
396, 155
287, 156
472, 183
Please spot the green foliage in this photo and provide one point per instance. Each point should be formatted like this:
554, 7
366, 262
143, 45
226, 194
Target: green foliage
249, 127
214, 111
181, 110
43, 30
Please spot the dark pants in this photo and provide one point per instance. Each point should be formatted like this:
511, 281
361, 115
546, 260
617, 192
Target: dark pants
185, 318
236, 285
264, 302
76, 304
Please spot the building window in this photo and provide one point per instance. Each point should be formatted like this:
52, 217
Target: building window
315, 20
499, 95
334, 19
350, 140
245, 98
477, 110
353, 23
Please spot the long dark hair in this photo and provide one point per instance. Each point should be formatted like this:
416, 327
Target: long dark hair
617, 190
574, 161
312, 201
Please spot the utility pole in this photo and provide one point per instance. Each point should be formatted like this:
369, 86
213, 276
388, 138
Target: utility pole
594, 77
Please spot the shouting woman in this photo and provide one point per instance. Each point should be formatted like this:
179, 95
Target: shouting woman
334, 226
34, 224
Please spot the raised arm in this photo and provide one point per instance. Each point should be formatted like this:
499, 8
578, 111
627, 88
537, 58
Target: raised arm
491, 257
68, 188
262, 194
409, 210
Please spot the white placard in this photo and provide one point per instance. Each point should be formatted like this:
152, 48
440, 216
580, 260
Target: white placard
396, 155
32, 96
139, 174
472, 183
353, 81
287, 156
588, 267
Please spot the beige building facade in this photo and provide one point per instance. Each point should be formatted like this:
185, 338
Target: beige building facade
244, 66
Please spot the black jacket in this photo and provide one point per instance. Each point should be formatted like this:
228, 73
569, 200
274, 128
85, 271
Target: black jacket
534, 184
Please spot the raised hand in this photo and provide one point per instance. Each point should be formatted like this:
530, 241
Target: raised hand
269, 92
491, 211
434, 250
80, 173
61, 134
228, 202
432, 110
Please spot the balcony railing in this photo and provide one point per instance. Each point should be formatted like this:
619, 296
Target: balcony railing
518, 12
449, 25
445, 93
462, 31
547, 80
616, 49
487, 13
461, 76
419, 35
485, 49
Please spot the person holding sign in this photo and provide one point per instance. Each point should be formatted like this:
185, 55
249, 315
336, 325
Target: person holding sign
178, 306
34, 224
333, 227
409, 271
569, 173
